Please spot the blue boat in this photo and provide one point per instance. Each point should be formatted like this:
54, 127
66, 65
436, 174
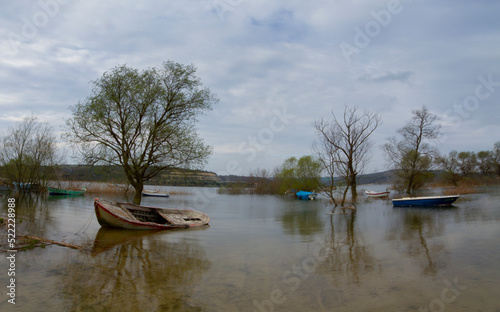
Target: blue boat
306, 195
427, 201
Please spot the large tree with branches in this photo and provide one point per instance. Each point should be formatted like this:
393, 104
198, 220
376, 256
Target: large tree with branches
412, 156
143, 121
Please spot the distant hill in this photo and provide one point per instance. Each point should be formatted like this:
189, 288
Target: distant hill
384, 177
181, 177
115, 174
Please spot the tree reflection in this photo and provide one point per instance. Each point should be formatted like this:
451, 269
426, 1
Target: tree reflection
413, 233
147, 273
349, 256
33, 215
300, 218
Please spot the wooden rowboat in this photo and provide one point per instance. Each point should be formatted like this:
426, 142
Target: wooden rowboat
134, 217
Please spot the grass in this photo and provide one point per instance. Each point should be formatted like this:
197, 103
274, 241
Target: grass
468, 185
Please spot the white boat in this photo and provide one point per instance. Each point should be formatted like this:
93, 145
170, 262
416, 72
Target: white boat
154, 193
377, 194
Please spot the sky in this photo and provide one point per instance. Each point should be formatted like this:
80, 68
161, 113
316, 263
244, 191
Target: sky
276, 66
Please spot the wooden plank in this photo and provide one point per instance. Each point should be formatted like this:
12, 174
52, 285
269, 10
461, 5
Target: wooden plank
173, 218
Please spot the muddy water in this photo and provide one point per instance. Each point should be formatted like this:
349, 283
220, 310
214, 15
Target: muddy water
262, 253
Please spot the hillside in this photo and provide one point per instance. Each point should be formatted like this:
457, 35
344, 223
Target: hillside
114, 174
180, 177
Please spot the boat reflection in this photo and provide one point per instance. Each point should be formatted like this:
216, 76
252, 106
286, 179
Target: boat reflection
107, 238
134, 271
414, 232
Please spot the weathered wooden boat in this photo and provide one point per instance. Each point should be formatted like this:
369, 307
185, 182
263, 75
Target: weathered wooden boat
154, 193
58, 191
303, 195
428, 201
374, 194
135, 217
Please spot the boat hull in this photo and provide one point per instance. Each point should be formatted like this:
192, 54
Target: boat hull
302, 195
154, 194
429, 201
377, 194
113, 216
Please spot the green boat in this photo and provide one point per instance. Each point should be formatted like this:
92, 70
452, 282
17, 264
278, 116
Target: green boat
57, 191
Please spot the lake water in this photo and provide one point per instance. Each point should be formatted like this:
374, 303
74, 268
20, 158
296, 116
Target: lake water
262, 253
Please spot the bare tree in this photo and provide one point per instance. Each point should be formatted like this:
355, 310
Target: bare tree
327, 156
143, 121
345, 145
27, 154
411, 155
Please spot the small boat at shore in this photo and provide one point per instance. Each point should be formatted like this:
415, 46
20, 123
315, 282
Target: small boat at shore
154, 193
374, 194
135, 217
302, 195
58, 191
425, 201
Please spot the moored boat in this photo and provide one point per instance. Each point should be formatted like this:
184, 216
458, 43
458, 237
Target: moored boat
154, 193
374, 194
57, 191
136, 217
303, 195
428, 201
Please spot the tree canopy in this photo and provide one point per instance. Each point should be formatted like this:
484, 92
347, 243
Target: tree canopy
27, 154
303, 174
143, 121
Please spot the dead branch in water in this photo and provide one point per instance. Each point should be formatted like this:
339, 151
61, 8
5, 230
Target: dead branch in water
49, 241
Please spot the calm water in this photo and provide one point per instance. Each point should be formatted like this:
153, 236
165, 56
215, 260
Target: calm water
263, 253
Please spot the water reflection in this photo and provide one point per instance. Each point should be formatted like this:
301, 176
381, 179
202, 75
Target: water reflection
377, 257
350, 257
33, 214
302, 218
142, 272
107, 238
414, 231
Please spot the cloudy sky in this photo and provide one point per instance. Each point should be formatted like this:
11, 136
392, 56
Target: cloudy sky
276, 66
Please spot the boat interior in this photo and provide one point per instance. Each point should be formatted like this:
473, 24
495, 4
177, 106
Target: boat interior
145, 214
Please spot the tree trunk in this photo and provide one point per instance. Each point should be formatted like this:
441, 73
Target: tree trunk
354, 192
343, 196
137, 182
138, 193
410, 185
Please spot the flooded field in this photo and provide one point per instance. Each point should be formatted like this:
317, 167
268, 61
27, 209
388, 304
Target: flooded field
261, 253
